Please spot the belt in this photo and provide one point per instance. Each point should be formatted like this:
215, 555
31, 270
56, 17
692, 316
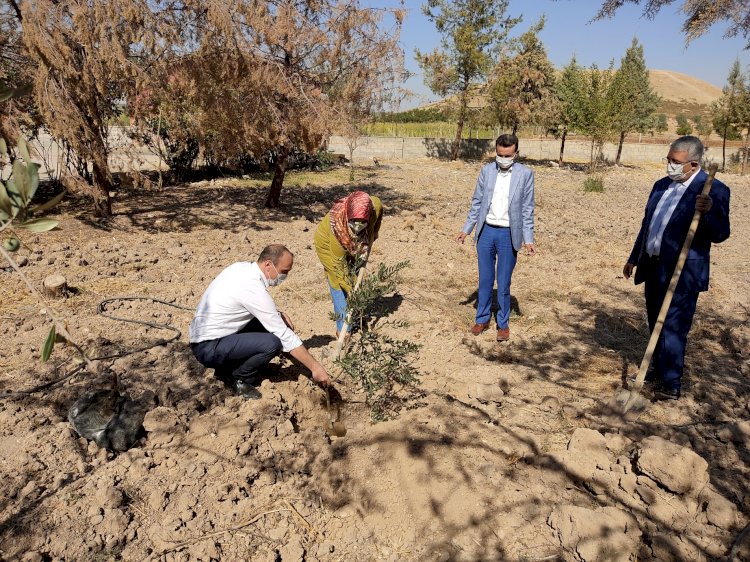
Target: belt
653, 258
494, 225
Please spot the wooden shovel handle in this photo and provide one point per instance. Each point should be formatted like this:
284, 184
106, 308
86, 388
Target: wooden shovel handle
672, 285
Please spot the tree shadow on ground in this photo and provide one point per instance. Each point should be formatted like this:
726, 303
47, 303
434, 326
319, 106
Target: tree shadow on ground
597, 344
186, 207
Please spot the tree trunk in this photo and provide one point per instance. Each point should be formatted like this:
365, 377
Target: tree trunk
457, 140
724, 146
619, 148
55, 287
744, 152
279, 170
464, 101
515, 128
562, 146
102, 186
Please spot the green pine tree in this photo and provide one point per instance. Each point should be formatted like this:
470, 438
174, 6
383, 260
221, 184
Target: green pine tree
631, 99
472, 30
726, 110
521, 91
571, 91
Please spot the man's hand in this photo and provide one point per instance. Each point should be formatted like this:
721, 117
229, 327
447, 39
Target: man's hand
320, 376
287, 321
530, 249
703, 204
461, 237
627, 270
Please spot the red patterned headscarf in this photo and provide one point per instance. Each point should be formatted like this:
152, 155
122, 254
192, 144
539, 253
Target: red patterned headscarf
357, 205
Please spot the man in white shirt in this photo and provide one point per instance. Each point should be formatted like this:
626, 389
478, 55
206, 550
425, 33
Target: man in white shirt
237, 328
502, 210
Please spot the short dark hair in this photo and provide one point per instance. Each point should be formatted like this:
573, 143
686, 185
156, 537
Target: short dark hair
507, 139
273, 252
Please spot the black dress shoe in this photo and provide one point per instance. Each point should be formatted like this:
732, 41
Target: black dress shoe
246, 390
667, 394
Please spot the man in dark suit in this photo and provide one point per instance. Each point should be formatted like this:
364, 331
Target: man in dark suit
669, 212
502, 210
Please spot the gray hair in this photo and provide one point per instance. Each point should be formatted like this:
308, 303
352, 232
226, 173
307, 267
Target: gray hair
692, 145
273, 252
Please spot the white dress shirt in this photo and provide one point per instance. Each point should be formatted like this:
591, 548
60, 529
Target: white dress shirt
663, 212
498, 213
237, 295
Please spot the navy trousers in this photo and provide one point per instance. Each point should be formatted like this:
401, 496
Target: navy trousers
669, 356
239, 356
496, 256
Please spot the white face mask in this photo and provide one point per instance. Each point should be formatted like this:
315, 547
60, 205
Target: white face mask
675, 171
357, 226
280, 278
505, 162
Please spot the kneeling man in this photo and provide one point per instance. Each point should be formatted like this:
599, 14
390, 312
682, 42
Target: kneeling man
237, 328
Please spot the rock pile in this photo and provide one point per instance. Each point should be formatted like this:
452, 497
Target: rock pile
658, 502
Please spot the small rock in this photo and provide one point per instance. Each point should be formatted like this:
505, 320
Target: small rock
285, 428
676, 468
486, 393
720, 511
32, 557
589, 535
292, 552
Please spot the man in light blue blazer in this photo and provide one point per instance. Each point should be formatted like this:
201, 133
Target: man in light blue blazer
502, 210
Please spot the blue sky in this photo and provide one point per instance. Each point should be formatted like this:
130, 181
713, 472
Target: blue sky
569, 32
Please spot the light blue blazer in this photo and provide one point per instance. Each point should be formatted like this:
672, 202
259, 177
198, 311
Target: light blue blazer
520, 203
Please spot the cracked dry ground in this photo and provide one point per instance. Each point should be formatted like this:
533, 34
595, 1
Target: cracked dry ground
505, 457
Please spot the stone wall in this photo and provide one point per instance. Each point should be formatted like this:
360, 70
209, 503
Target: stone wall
407, 148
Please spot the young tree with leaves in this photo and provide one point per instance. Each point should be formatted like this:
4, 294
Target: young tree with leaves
571, 91
683, 125
726, 109
473, 31
632, 100
702, 127
521, 88
597, 122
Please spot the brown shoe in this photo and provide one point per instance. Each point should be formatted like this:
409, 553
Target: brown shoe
477, 329
503, 334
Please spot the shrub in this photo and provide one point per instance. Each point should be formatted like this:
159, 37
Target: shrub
593, 183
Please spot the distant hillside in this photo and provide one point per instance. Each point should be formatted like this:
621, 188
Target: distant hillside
680, 93
677, 87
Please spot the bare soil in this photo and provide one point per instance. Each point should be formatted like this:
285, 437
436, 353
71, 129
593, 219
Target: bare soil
508, 455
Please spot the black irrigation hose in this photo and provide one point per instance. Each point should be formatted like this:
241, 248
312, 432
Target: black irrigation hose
101, 309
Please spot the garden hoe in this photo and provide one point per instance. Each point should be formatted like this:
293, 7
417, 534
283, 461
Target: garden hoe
631, 400
335, 426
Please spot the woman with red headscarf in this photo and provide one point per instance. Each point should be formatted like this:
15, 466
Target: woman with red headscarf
345, 233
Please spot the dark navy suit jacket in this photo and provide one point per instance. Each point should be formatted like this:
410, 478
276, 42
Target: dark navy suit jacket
712, 228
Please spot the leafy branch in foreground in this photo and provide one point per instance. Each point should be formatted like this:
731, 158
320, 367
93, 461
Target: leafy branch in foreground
382, 366
17, 212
